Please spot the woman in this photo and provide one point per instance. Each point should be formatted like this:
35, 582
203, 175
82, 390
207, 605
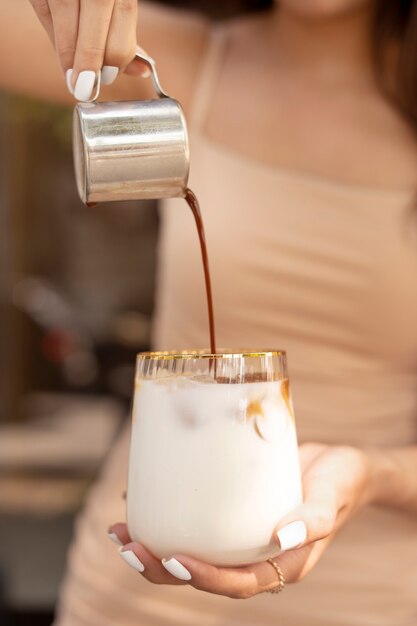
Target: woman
304, 159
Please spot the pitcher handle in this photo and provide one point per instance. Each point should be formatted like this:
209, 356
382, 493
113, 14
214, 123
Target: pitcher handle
150, 63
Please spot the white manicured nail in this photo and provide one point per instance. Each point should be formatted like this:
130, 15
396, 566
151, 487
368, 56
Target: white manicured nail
176, 568
84, 86
68, 76
131, 559
113, 537
109, 74
292, 535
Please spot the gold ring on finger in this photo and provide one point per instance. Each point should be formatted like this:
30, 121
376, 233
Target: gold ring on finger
281, 580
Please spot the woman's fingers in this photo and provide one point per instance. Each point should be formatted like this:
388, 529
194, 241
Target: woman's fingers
242, 582
43, 12
65, 25
296, 564
119, 533
138, 557
121, 40
315, 519
310, 522
93, 27
332, 486
239, 582
308, 453
233, 582
107, 48
94, 39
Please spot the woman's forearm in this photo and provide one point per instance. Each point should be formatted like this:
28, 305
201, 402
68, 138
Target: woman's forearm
393, 479
29, 64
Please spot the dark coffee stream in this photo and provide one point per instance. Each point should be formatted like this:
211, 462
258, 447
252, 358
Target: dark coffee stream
195, 208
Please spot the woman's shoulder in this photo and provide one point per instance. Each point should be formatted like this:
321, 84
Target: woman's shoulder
243, 26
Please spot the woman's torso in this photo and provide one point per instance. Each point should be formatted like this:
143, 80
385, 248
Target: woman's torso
321, 268
326, 270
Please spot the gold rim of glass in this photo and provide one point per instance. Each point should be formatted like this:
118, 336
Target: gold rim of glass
206, 354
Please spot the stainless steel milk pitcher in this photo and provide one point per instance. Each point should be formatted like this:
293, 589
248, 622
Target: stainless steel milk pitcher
131, 150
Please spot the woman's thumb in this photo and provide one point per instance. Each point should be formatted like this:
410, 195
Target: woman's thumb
313, 520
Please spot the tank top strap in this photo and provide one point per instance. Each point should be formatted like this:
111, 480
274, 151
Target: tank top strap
207, 76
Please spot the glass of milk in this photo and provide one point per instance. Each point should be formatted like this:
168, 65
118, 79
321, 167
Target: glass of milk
213, 459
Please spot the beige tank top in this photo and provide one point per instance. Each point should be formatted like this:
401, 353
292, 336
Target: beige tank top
324, 270
328, 272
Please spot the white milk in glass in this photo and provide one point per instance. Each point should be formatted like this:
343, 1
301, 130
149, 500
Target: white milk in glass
213, 467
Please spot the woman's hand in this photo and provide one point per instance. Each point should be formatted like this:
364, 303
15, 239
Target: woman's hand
336, 483
91, 36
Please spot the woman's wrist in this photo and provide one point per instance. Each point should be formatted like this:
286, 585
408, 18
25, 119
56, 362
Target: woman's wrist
384, 480
381, 473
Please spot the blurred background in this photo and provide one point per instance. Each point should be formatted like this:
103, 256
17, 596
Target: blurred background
76, 301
